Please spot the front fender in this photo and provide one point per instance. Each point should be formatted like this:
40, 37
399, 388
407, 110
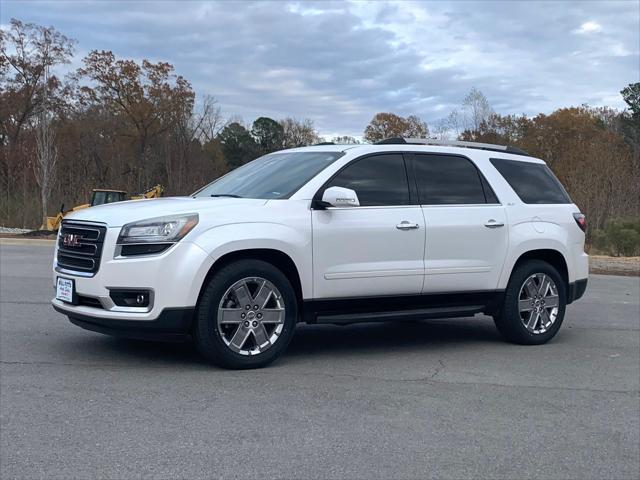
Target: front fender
294, 242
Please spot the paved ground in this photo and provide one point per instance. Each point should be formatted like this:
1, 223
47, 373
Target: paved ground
444, 399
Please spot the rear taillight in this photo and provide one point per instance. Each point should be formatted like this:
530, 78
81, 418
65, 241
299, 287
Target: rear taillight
581, 220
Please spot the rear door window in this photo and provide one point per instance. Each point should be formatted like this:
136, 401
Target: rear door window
533, 182
449, 180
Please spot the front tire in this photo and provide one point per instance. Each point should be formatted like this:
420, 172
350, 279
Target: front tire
246, 315
534, 304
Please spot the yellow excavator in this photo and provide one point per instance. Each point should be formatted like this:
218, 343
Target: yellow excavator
100, 196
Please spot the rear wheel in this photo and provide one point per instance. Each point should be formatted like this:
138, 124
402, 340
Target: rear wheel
246, 315
534, 304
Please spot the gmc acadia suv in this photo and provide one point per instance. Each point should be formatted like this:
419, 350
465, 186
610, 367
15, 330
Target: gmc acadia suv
404, 229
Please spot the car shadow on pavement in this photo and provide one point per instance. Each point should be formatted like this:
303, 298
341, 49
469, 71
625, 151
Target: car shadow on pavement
309, 341
398, 336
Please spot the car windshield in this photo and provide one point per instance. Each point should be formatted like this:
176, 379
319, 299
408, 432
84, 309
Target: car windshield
277, 175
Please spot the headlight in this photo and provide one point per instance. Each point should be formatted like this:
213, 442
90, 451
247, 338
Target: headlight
154, 235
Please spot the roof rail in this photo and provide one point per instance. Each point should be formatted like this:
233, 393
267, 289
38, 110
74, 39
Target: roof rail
452, 143
322, 143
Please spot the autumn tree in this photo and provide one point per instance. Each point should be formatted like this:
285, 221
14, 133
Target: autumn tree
594, 163
386, 125
501, 129
148, 96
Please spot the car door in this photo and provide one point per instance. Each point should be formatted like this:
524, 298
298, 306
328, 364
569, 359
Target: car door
376, 248
466, 232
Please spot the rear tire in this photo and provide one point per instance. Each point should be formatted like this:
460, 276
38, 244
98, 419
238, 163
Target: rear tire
534, 304
246, 315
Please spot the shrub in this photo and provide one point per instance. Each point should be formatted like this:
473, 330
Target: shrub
620, 237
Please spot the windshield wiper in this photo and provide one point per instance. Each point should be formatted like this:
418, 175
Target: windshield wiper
225, 195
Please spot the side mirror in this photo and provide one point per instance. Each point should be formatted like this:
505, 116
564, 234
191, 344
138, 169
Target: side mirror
340, 197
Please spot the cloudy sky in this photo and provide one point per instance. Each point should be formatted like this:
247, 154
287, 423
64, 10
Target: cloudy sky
339, 63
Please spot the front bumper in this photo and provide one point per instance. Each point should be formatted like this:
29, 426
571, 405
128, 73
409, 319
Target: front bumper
171, 325
173, 278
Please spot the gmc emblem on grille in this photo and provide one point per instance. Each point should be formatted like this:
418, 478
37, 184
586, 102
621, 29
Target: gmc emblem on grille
71, 239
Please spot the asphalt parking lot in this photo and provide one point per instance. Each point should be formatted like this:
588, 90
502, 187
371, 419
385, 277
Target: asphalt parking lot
442, 399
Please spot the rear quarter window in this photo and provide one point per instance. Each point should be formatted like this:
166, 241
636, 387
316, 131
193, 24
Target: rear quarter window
533, 182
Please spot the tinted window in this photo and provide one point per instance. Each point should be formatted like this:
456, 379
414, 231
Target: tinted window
100, 198
277, 175
489, 194
377, 180
533, 182
447, 180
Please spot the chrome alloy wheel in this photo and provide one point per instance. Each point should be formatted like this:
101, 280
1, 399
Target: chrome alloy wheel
538, 303
251, 316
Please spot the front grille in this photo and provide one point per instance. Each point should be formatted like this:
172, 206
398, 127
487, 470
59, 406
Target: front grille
80, 246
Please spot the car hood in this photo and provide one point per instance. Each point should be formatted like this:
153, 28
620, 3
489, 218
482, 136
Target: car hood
120, 213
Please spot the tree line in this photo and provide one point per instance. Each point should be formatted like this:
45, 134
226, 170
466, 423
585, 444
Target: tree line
122, 124
112, 123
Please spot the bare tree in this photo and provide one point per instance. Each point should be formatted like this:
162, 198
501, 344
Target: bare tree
208, 121
26, 53
299, 133
44, 167
475, 110
442, 130
46, 151
454, 123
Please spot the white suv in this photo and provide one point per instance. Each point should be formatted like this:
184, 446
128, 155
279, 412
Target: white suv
405, 229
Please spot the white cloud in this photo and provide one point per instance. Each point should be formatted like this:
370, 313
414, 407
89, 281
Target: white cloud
339, 63
588, 27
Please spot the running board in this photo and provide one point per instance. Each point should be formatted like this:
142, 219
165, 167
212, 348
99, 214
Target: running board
401, 315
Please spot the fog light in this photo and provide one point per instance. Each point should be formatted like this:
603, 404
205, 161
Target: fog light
130, 298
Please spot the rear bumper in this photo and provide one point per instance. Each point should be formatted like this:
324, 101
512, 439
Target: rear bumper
173, 324
576, 290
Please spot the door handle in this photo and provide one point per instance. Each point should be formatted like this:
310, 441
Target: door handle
493, 224
404, 225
